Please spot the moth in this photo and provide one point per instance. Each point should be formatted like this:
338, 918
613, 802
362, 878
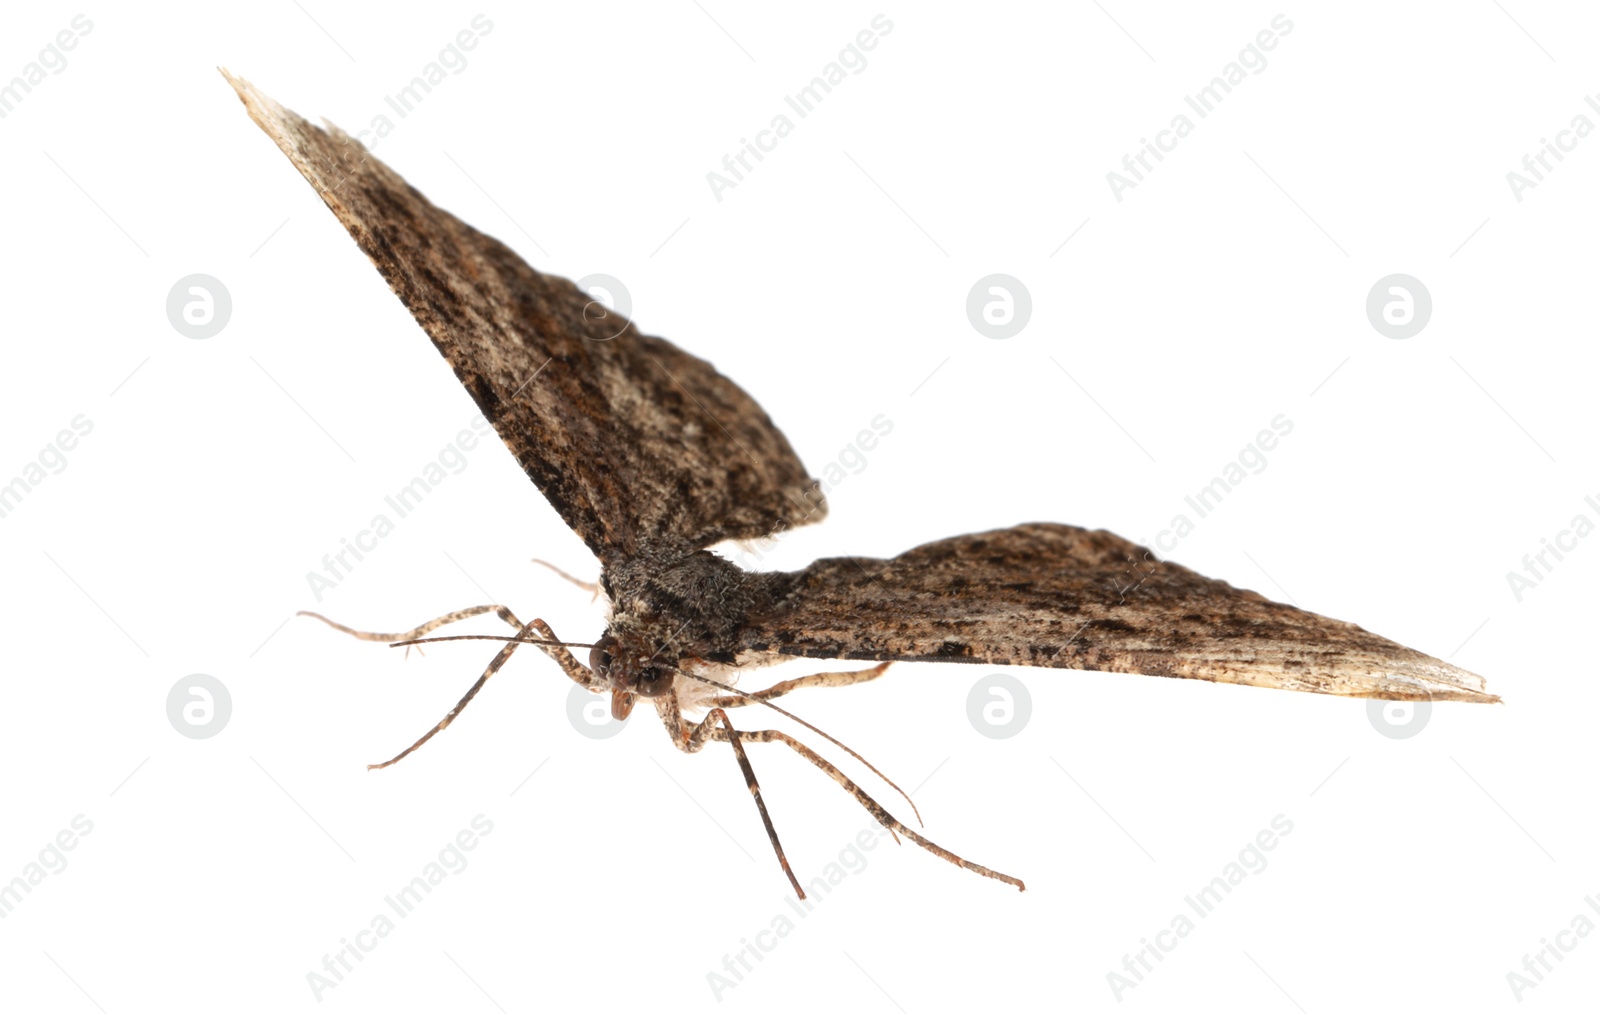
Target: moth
653, 457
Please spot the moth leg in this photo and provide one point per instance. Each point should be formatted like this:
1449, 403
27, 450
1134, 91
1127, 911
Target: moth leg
423, 630
871, 805
494, 667
821, 679
575, 670
731, 735
592, 587
691, 737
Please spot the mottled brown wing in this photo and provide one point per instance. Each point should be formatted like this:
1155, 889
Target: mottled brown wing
1064, 597
632, 440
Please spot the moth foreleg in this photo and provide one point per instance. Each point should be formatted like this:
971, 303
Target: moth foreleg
820, 679
420, 631
575, 670
579, 673
494, 667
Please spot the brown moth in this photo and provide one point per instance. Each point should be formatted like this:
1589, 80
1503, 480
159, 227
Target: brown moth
651, 456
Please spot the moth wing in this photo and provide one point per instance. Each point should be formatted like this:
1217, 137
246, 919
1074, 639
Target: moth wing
630, 438
1064, 597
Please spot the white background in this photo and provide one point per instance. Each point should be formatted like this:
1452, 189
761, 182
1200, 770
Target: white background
1227, 288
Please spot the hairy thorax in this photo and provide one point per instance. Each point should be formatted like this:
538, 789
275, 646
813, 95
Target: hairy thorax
671, 612
681, 605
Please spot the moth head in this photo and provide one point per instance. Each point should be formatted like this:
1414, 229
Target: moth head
630, 673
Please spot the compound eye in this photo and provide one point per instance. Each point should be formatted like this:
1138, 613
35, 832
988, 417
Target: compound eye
653, 683
599, 660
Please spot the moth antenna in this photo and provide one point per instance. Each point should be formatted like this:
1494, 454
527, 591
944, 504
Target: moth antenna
593, 587
490, 637
796, 718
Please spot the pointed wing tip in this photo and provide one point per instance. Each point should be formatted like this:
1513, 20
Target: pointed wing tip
326, 156
1468, 695
244, 89
1437, 680
268, 115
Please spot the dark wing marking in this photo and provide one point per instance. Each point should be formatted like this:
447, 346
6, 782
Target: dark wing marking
1054, 595
631, 439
